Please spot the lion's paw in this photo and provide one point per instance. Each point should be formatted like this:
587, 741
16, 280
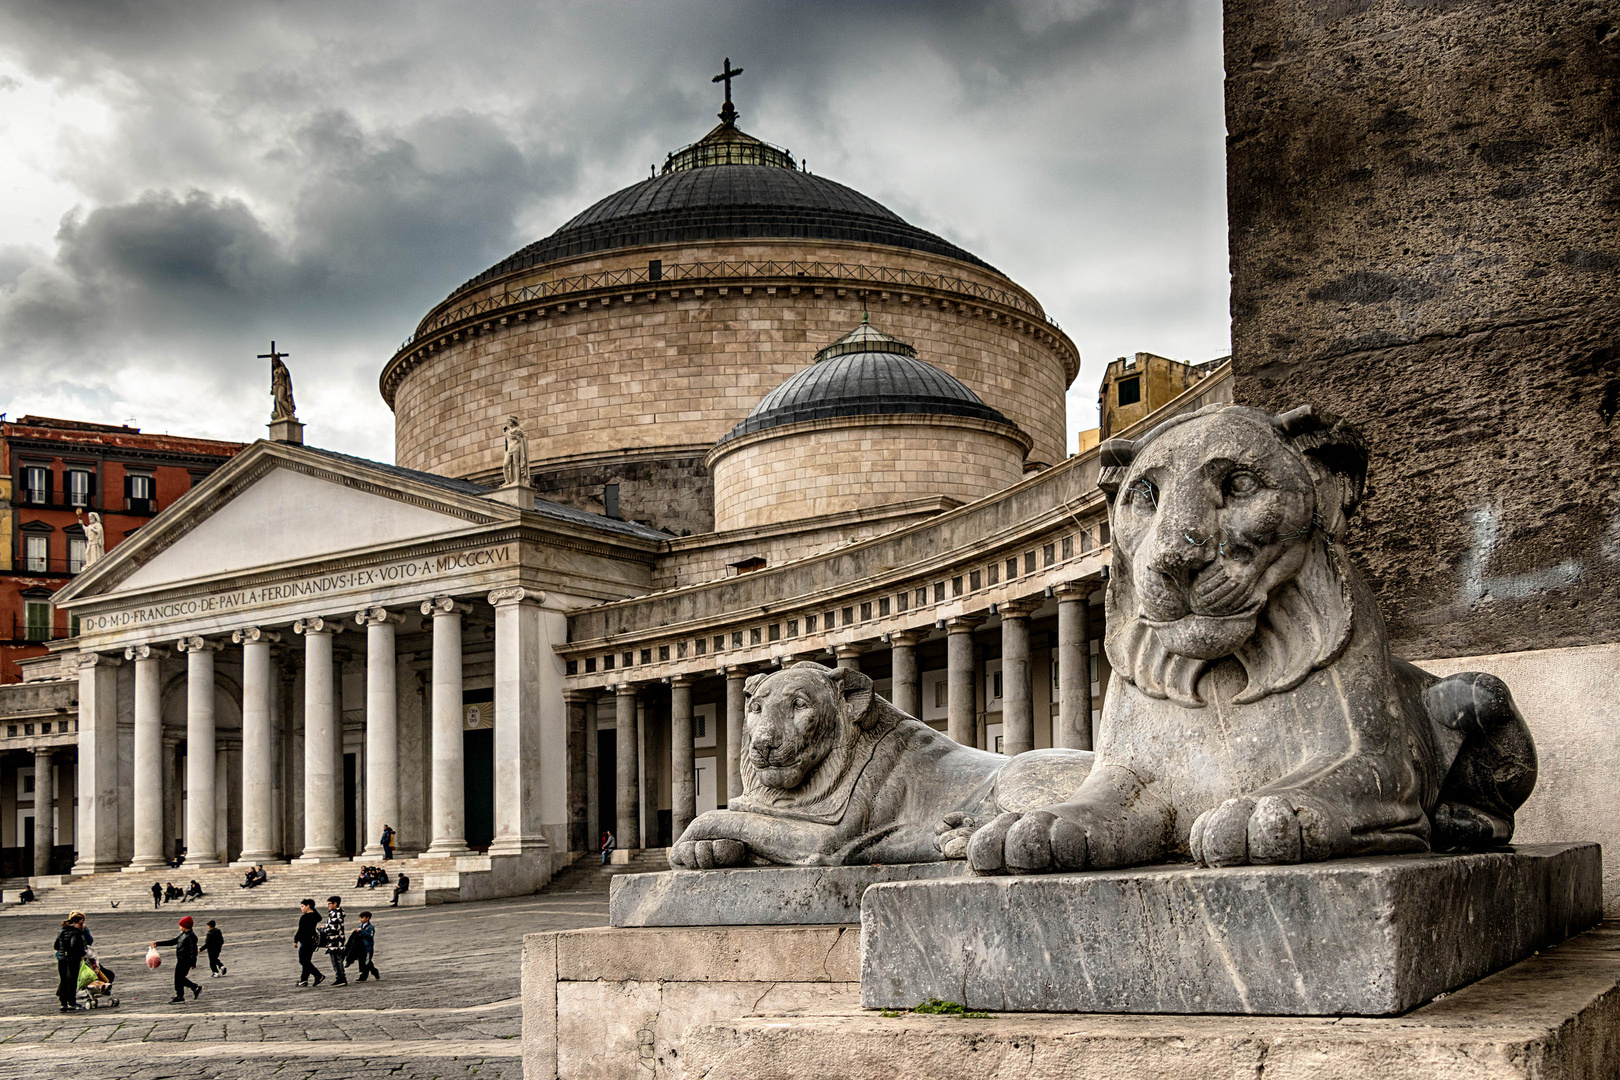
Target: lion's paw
952, 834
1260, 830
1040, 841
707, 854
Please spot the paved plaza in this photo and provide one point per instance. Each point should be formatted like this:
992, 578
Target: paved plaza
448, 1004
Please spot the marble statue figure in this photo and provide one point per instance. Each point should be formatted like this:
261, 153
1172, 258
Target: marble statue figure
1255, 713
95, 537
281, 391
515, 458
834, 774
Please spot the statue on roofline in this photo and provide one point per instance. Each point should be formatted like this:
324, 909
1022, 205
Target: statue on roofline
515, 453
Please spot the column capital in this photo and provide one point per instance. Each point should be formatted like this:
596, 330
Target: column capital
146, 652
93, 659
682, 680
907, 637
626, 689
377, 616
317, 624
445, 605
45, 752
198, 643
848, 649
964, 624
513, 594
253, 633
1018, 609
580, 697
1076, 590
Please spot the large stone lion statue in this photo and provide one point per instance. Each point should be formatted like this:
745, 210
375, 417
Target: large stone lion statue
834, 774
1255, 715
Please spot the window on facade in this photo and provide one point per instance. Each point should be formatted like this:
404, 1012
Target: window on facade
1048, 555
900, 601
849, 616
36, 554
866, 611
1012, 568
646, 656
975, 581
809, 624
37, 616
776, 631
75, 554
1130, 391
883, 607
663, 653
140, 492
754, 636
36, 485
78, 487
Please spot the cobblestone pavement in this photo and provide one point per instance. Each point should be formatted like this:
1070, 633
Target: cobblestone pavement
447, 1005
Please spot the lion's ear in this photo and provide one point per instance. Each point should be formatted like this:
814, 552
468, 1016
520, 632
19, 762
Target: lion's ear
1333, 444
1114, 457
856, 690
751, 684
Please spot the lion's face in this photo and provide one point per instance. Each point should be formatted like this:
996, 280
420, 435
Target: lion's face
795, 717
1217, 519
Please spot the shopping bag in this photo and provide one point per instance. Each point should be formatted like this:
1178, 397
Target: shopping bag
87, 975
152, 957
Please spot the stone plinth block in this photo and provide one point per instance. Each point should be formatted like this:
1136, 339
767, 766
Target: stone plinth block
1356, 937
758, 896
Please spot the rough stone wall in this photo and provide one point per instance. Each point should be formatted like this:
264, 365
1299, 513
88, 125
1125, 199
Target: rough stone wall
829, 467
671, 492
681, 372
1423, 206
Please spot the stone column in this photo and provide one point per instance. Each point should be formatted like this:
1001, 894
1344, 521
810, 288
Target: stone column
628, 791
593, 771
682, 778
411, 830
531, 727
736, 702
258, 761
320, 723
202, 843
382, 727
961, 680
849, 656
44, 809
906, 684
1073, 730
222, 802
449, 824
581, 710
98, 764
171, 796
1017, 698
149, 779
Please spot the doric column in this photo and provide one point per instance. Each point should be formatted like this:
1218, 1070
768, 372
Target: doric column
98, 764
148, 780
222, 800
44, 808
382, 726
449, 824
593, 770
172, 825
906, 684
1073, 729
1017, 700
961, 680
531, 726
682, 778
320, 726
628, 791
202, 843
258, 762
581, 709
736, 700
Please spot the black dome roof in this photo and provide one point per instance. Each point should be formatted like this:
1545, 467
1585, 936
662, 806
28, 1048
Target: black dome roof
727, 186
864, 373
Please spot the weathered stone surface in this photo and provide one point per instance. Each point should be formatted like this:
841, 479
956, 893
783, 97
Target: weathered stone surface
1368, 937
1551, 1017
758, 896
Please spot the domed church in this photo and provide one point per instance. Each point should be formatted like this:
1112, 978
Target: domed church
732, 417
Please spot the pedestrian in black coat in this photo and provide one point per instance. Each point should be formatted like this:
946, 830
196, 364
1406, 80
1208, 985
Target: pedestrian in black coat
185, 958
70, 947
332, 932
214, 941
157, 894
307, 937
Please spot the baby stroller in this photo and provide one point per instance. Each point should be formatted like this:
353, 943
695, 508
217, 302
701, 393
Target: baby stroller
96, 984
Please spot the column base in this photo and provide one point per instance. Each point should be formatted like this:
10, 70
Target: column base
448, 849
199, 864
534, 846
247, 859
140, 865
320, 855
372, 853
85, 867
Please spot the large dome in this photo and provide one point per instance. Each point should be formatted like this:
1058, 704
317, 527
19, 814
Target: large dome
865, 373
727, 186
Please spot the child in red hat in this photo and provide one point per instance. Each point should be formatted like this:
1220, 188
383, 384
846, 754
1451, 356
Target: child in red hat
185, 958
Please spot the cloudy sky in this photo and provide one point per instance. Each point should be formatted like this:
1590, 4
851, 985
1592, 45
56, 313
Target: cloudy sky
181, 182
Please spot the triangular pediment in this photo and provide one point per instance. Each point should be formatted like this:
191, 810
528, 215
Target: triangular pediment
277, 505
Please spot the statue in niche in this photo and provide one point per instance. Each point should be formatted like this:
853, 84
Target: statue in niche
515, 455
281, 389
833, 774
95, 537
1256, 715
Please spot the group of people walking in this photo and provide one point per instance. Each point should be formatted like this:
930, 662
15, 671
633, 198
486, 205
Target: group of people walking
358, 948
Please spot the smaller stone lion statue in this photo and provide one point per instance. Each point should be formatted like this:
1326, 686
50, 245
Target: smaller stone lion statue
1256, 715
833, 774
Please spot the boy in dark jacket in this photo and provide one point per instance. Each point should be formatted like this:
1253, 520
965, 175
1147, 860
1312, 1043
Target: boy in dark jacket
157, 894
308, 936
368, 948
214, 941
185, 958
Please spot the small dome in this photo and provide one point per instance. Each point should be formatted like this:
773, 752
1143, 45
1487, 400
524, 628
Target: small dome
864, 373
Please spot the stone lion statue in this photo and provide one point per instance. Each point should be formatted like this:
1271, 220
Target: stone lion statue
834, 774
1256, 715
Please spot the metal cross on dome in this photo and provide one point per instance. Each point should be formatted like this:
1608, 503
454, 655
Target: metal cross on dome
272, 355
728, 111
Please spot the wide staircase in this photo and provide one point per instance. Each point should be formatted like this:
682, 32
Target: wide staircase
588, 876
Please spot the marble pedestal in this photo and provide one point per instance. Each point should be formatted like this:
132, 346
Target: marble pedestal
758, 896
1352, 937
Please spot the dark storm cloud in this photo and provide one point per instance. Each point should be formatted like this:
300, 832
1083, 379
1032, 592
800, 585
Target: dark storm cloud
328, 172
